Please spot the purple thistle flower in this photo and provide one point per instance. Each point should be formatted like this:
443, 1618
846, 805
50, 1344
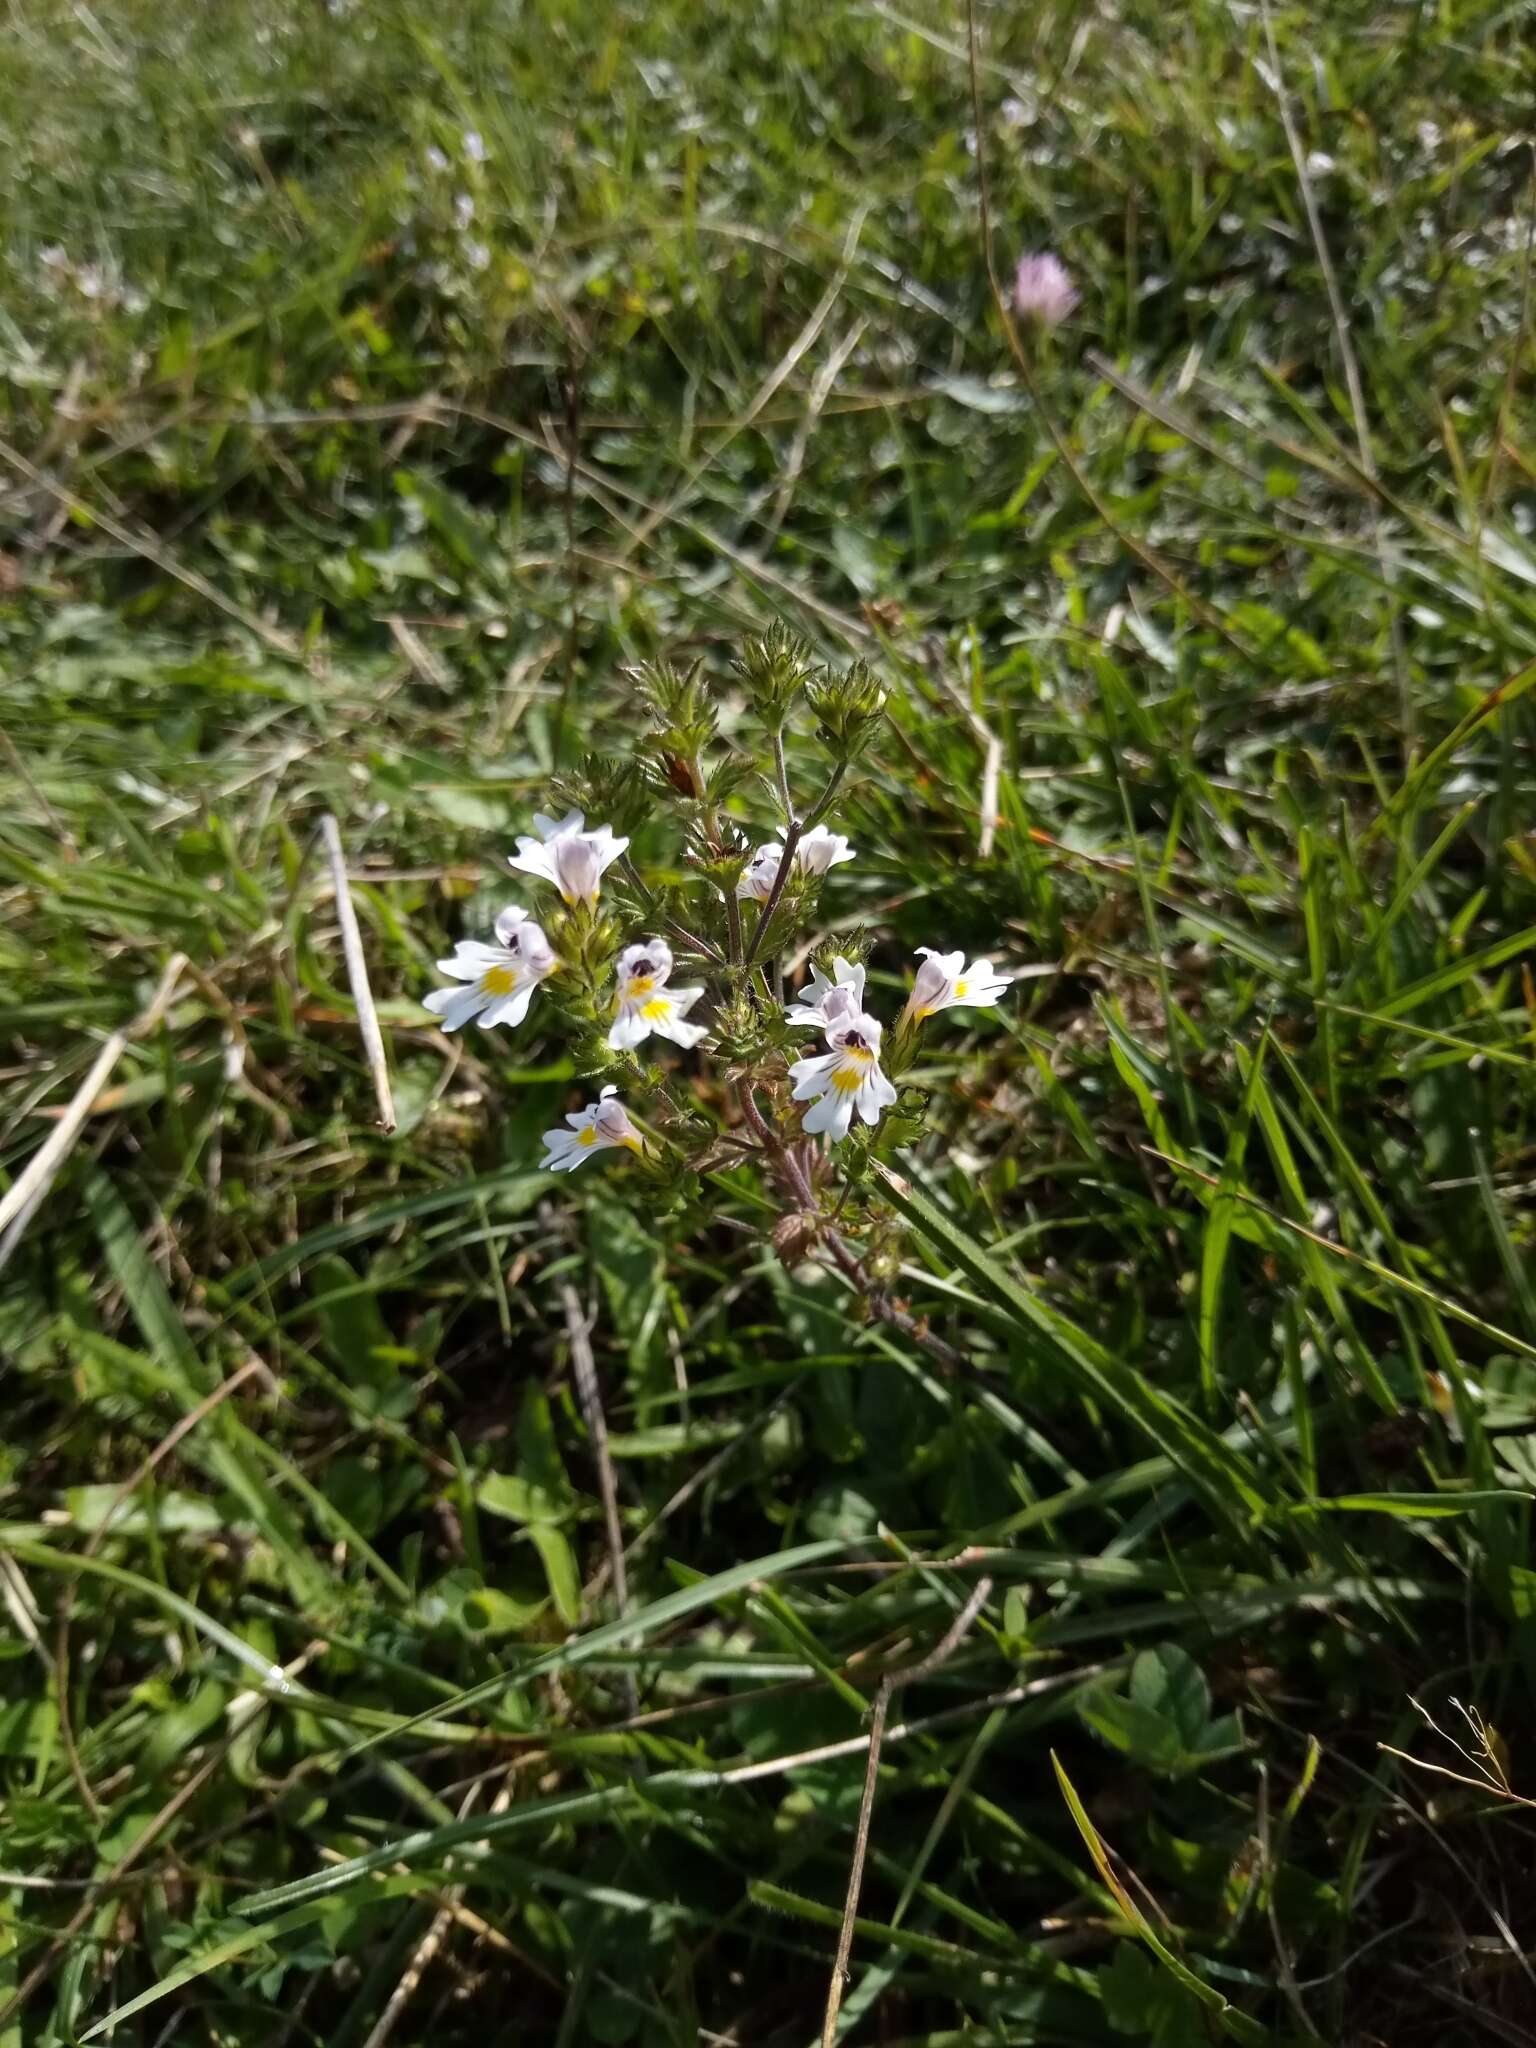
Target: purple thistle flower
1043, 290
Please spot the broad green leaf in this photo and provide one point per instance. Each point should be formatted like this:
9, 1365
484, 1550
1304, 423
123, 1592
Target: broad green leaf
1168, 1680
355, 1333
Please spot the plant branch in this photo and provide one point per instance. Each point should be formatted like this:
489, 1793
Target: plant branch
875, 1299
794, 832
781, 770
824, 802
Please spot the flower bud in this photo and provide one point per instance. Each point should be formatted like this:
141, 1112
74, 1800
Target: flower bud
773, 670
682, 710
794, 1235
849, 708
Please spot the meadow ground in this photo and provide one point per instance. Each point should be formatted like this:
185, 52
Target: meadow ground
380, 385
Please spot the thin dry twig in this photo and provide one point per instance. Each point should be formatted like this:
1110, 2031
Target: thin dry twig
357, 973
940, 1654
766, 391
56, 825
23, 1197
606, 488
821, 390
23, 1608
1503, 1796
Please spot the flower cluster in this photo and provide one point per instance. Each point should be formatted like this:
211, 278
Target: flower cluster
847, 1080
616, 990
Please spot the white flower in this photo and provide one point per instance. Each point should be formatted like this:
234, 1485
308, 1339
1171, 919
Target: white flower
825, 1003
944, 982
816, 851
760, 873
820, 849
597, 1128
846, 1079
643, 1003
501, 978
474, 146
568, 856
435, 160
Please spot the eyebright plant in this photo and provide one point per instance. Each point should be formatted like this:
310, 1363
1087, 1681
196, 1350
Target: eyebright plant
625, 957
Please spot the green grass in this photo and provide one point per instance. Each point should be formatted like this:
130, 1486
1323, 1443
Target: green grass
1227, 1211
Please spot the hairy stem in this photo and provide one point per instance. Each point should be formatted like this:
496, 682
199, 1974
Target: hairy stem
793, 1180
781, 769
824, 801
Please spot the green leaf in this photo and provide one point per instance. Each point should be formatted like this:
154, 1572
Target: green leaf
1134, 1729
559, 1562
1413, 1506
1218, 1229
177, 1730
1169, 1682
353, 1329
539, 1491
